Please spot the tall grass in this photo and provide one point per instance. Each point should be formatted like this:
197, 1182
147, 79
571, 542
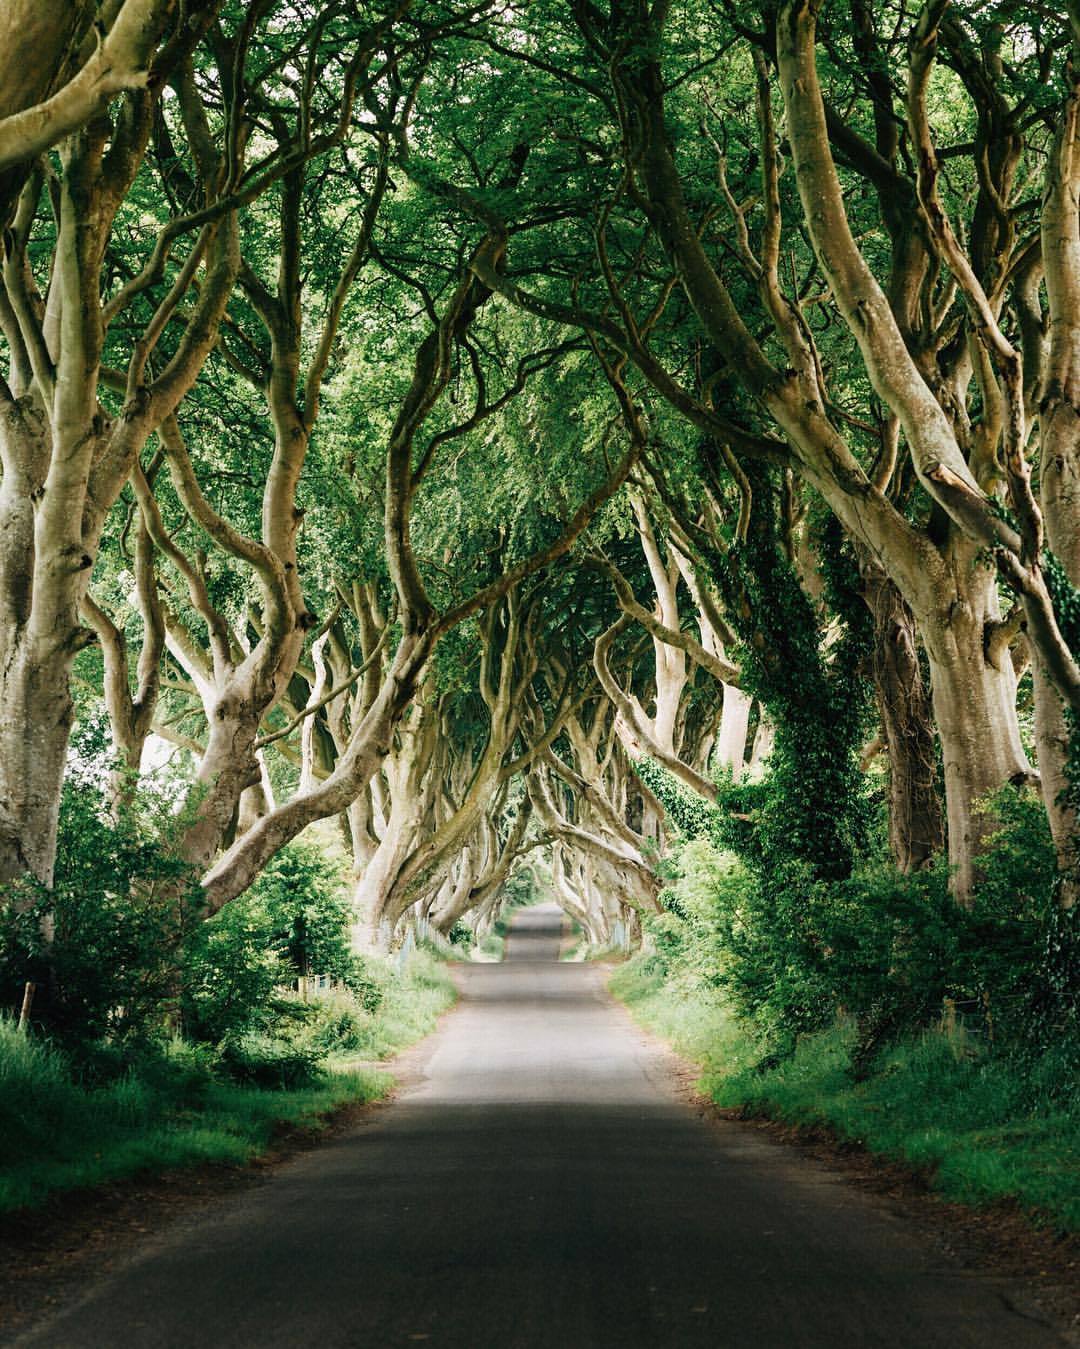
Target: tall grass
693, 1017
412, 1002
174, 1109
983, 1126
56, 1134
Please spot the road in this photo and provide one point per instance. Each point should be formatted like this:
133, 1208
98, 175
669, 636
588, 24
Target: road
541, 1185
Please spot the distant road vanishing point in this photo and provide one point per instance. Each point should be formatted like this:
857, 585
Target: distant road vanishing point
543, 1187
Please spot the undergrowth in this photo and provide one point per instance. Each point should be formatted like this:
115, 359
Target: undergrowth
182, 1105
982, 1127
980, 1124
941, 1035
411, 1004
691, 1016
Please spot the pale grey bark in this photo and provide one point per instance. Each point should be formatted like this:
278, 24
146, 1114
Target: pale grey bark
65, 459
40, 40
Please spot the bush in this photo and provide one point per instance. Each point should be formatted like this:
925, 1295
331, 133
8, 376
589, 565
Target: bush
115, 1088
131, 960
791, 949
118, 915
462, 936
336, 1022
270, 1061
57, 1133
232, 978
299, 901
293, 920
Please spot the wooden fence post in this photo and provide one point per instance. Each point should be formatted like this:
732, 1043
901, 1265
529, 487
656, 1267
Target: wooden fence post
27, 1003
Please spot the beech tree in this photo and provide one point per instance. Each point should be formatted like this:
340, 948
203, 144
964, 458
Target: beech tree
920, 386
458, 422
420, 624
67, 443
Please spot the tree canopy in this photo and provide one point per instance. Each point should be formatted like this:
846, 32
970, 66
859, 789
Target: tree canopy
538, 435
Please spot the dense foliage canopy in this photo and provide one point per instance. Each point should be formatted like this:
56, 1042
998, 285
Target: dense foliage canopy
541, 439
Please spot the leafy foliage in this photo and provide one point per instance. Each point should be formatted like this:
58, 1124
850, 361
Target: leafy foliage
104, 944
885, 948
812, 809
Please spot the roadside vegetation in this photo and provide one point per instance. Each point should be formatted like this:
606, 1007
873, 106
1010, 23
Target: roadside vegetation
178, 1103
879, 1009
177, 1042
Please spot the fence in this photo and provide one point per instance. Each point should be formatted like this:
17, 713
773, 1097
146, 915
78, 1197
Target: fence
978, 1017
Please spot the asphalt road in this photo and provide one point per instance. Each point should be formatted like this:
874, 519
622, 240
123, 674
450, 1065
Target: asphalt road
542, 1186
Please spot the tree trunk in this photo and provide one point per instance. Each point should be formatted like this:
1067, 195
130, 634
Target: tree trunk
359, 830
256, 800
1059, 426
228, 768
36, 713
1052, 739
39, 637
409, 771
457, 902
916, 831
374, 928
975, 709
730, 749
38, 41
764, 739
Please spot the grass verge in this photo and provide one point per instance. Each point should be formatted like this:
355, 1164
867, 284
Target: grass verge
413, 999
174, 1109
979, 1125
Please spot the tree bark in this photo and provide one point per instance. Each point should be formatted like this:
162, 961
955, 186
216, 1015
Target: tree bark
36, 712
1059, 419
730, 751
974, 703
35, 704
38, 41
916, 831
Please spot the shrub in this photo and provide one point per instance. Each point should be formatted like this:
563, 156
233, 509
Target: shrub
362, 979
130, 959
461, 935
270, 1061
293, 921
299, 901
232, 978
118, 915
790, 949
336, 1023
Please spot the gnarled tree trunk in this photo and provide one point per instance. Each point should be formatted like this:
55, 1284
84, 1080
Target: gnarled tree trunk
916, 832
975, 709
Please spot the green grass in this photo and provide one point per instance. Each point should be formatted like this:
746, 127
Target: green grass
412, 1003
695, 1021
57, 1135
174, 1110
981, 1127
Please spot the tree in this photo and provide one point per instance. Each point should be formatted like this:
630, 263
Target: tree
67, 445
925, 348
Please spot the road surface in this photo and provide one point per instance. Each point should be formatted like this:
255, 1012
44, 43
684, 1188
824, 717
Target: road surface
542, 1186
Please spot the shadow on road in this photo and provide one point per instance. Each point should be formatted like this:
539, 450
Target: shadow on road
542, 1186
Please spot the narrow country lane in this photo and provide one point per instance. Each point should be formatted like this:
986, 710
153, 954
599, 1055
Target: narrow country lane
544, 1185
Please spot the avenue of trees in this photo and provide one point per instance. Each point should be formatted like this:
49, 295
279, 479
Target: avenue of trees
563, 440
